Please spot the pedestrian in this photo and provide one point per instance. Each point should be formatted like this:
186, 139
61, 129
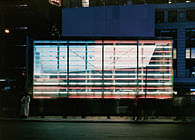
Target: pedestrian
25, 101
136, 108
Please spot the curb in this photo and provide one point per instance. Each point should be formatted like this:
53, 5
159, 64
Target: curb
99, 121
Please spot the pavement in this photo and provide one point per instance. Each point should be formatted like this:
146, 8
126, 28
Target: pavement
101, 119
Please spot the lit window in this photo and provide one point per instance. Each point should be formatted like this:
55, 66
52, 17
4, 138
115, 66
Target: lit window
21, 5
55, 2
187, 53
174, 53
188, 1
85, 3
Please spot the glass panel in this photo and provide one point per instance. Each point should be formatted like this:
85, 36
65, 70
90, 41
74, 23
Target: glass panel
174, 53
145, 54
85, 70
172, 16
75, 3
192, 67
75, 70
187, 53
94, 70
190, 15
96, 3
181, 16
192, 52
63, 58
168, 33
49, 77
159, 16
85, 3
120, 63
190, 46
155, 69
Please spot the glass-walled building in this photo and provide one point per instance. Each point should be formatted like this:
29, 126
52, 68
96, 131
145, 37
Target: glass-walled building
173, 18
102, 69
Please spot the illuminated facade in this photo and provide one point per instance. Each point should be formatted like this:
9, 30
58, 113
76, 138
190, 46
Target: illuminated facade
102, 69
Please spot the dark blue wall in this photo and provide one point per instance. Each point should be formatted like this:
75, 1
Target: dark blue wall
109, 21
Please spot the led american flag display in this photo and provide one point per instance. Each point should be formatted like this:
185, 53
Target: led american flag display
102, 69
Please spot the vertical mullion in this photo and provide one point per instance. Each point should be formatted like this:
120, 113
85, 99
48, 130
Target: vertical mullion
58, 64
102, 68
27, 63
137, 67
146, 72
86, 76
58, 58
114, 71
68, 68
34, 66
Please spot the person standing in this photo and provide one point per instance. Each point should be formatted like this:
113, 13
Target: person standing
25, 101
136, 108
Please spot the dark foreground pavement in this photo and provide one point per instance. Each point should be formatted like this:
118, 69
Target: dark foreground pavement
29, 130
101, 119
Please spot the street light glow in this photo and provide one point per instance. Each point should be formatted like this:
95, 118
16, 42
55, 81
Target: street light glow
7, 31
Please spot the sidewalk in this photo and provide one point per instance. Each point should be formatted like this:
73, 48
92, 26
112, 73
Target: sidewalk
101, 119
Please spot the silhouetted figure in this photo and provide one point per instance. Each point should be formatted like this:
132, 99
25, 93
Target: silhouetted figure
25, 101
136, 108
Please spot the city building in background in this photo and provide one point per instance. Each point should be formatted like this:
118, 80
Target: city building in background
21, 20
